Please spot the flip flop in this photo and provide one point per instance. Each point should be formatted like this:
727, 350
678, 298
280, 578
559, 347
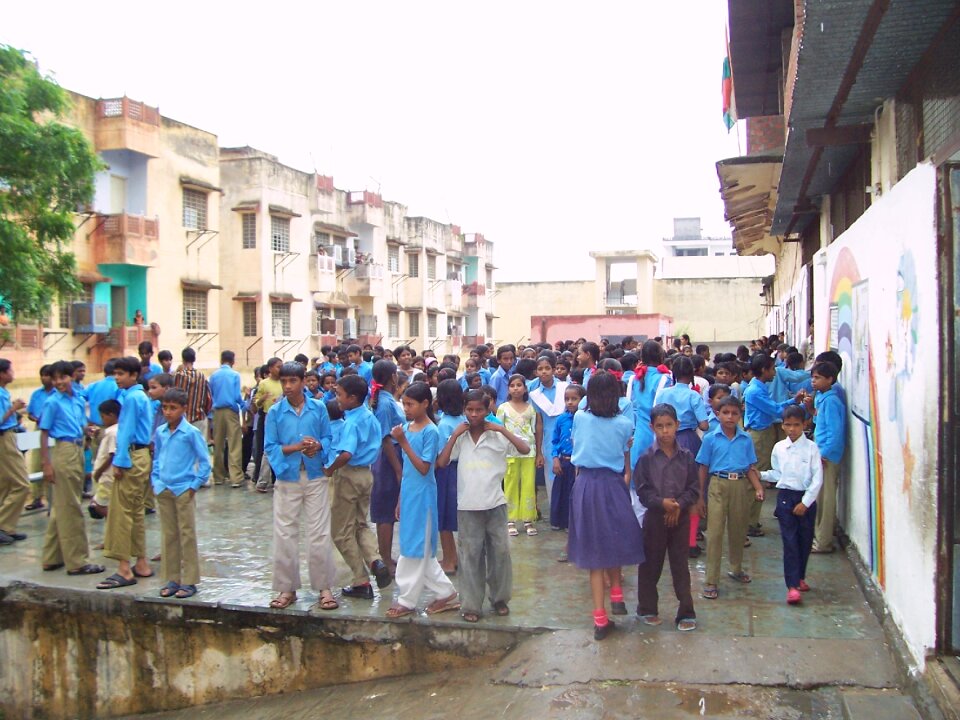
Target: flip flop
169, 590
399, 611
470, 617
143, 575
327, 602
740, 577
709, 592
282, 601
444, 605
116, 581
186, 591
501, 608
88, 569
686, 625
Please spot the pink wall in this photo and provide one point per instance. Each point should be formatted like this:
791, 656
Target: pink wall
551, 328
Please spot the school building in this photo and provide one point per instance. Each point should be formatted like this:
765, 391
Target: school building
851, 182
189, 244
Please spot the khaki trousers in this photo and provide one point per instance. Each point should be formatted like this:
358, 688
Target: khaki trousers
226, 431
728, 504
307, 500
348, 521
14, 487
827, 506
123, 537
65, 540
180, 562
763, 442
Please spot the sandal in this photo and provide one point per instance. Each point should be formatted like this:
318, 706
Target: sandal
740, 577
283, 601
470, 617
186, 591
686, 625
116, 581
563, 557
512, 529
747, 543
709, 592
327, 601
143, 575
530, 528
399, 611
444, 605
170, 589
501, 608
651, 620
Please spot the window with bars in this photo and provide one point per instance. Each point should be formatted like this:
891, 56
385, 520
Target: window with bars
321, 240
249, 231
489, 279
66, 306
393, 324
393, 260
279, 234
431, 325
194, 209
431, 267
249, 319
280, 317
194, 310
489, 328
413, 324
413, 265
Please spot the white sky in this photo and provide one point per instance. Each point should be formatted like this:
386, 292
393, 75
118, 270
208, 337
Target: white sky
554, 128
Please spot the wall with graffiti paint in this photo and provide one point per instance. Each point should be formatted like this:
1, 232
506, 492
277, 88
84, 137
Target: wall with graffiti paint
876, 304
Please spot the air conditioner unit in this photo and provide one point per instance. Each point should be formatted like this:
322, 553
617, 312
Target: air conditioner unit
351, 257
350, 328
89, 318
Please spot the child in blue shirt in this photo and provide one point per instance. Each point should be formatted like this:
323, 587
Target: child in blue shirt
689, 404
830, 418
336, 432
716, 393
563, 470
34, 410
449, 403
181, 464
388, 467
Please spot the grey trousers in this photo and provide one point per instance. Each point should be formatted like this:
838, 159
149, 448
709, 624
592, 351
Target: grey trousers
484, 557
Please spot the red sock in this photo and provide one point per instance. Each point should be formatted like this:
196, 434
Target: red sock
600, 617
616, 594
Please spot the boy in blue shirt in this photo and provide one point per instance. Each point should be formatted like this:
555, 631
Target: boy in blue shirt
34, 409
180, 466
357, 448
563, 470
728, 458
830, 418
500, 379
227, 434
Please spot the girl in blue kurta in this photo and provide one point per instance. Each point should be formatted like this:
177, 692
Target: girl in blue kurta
546, 396
417, 568
648, 378
386, 468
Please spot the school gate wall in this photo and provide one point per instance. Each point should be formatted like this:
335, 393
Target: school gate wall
712, 310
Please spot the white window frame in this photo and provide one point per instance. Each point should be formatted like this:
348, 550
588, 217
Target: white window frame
431, 325
195, 213
413, 265
413, 324
393, 324
280, 315
393, 261
250, 320
249, 231
279, 234
195, 310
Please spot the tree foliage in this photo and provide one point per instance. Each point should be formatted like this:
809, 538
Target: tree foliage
46, 173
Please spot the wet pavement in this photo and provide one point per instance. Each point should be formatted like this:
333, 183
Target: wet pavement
791, 657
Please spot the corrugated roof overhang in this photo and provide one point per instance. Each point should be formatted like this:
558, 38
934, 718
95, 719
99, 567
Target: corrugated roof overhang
756, 28
748, 187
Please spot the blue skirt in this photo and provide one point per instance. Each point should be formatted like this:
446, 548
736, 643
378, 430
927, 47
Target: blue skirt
690, 440
386, 489
447, 497
604, 532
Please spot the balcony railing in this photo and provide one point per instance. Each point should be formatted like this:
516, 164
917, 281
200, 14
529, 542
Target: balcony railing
474, 288
126, 240
125, 124
125, 107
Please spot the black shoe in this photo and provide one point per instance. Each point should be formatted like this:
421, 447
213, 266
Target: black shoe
382, 573
5, 539
599, 633
695, 551
35, 505
149, 511
16, 536
363, 592
618, 608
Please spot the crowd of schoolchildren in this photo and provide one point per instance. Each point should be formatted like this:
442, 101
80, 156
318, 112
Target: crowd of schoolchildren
644, 453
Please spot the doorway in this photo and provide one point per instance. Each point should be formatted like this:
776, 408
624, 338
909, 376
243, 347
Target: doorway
118, 305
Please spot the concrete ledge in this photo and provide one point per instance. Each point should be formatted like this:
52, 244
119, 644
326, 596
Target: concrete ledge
69, 653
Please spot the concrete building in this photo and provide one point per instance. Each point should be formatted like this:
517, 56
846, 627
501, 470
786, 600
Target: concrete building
851, 183
688, 241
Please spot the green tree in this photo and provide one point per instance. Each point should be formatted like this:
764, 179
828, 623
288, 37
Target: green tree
46, 174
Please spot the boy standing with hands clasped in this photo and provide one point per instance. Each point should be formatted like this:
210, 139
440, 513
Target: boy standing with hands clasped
798, 474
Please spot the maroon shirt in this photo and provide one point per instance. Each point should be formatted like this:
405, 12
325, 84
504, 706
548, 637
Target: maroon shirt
658, 476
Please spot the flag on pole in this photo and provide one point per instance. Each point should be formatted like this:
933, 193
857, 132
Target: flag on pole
729, 102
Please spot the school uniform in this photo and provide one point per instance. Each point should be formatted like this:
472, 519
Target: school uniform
365, 370
658, 476
148, 371
34, 410
106, 448
180, 464
227, 401
97, 393
729, 496
641, 392
386, 485
352, 535
65, 540
604, 532
124, 533
549, 404
417, 566
301, 492
830, 435
561, 445
500, 381
484, 546
798, 473
691, 411
447, 477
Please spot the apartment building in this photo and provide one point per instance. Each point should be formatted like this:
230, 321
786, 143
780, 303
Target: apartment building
148, 246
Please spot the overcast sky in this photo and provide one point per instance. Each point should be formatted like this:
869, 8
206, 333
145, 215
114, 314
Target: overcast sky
554, 128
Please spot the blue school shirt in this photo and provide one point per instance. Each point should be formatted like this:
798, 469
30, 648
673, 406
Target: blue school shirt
135, 424
152, 370
12, 421
79, 389
643, 402
600, 442
418, 494
781, 386
689, 404
760, 410
360, 436
500, 381
285, 427
712, 420
98, 392
388, 413
63, 416
365, 370
722, 454
158, 418
447, 424
336, 432
37, 399
625, 406
180, 459
830, 429
225, 389
494, 419
562, 440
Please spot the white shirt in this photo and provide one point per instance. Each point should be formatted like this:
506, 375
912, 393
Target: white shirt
796, 466
480, 470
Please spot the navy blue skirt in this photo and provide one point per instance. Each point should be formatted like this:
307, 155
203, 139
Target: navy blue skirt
690, 440
604, 532
386, 489
447, 497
